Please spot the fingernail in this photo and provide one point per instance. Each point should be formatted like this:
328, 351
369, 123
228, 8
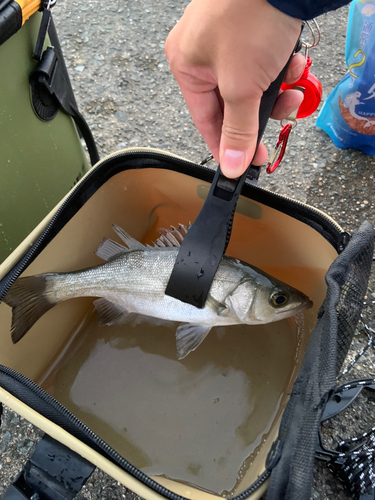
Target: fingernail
232, 163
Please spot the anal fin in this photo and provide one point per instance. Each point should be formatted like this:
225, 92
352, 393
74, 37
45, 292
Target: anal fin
110, 313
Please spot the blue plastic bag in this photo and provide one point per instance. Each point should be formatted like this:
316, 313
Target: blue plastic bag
348, 115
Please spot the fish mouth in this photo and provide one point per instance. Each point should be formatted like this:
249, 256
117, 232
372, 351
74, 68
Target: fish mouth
303, 306
306, 304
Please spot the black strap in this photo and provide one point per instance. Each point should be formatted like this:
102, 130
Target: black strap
53, 472
205, 243
42, 34
51, 87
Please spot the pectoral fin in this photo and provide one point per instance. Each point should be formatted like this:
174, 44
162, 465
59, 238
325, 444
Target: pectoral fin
110, 313
216, 306
189, 337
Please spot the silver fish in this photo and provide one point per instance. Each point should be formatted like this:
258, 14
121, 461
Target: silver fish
133, 280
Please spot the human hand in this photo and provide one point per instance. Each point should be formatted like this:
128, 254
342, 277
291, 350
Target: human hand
224, 55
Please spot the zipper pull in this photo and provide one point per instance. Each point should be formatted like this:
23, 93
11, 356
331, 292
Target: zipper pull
274, 454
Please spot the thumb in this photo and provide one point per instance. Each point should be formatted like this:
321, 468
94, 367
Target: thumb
238, 136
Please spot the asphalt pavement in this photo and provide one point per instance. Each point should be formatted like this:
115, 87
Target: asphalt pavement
115, 56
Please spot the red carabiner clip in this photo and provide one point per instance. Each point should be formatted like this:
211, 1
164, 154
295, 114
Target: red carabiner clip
279, 149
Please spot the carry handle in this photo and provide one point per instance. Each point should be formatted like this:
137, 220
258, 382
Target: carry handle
206, 241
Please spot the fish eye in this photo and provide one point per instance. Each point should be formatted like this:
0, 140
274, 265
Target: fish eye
279, 299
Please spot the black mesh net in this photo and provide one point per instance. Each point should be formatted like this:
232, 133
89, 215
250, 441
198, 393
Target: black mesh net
347, 281
353, 288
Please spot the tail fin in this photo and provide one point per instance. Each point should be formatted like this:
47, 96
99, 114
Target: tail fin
28, 300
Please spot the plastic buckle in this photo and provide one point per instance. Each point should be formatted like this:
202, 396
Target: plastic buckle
53, 472
253, 174
50, 88
274, 455
344, 395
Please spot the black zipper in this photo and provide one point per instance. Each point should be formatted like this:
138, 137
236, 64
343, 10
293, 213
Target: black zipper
333, 232
102, 446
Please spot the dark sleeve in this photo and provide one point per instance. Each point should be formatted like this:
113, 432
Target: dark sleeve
307, 9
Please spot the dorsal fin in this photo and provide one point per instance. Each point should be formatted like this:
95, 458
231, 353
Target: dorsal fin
168, 238
109, 248
129, 241
172, 237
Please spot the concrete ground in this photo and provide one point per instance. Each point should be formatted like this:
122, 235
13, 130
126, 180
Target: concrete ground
115, 56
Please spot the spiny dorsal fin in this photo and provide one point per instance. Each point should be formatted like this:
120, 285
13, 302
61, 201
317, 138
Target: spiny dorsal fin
129, 241
172, 237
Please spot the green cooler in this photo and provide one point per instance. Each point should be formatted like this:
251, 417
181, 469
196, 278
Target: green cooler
41, 155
